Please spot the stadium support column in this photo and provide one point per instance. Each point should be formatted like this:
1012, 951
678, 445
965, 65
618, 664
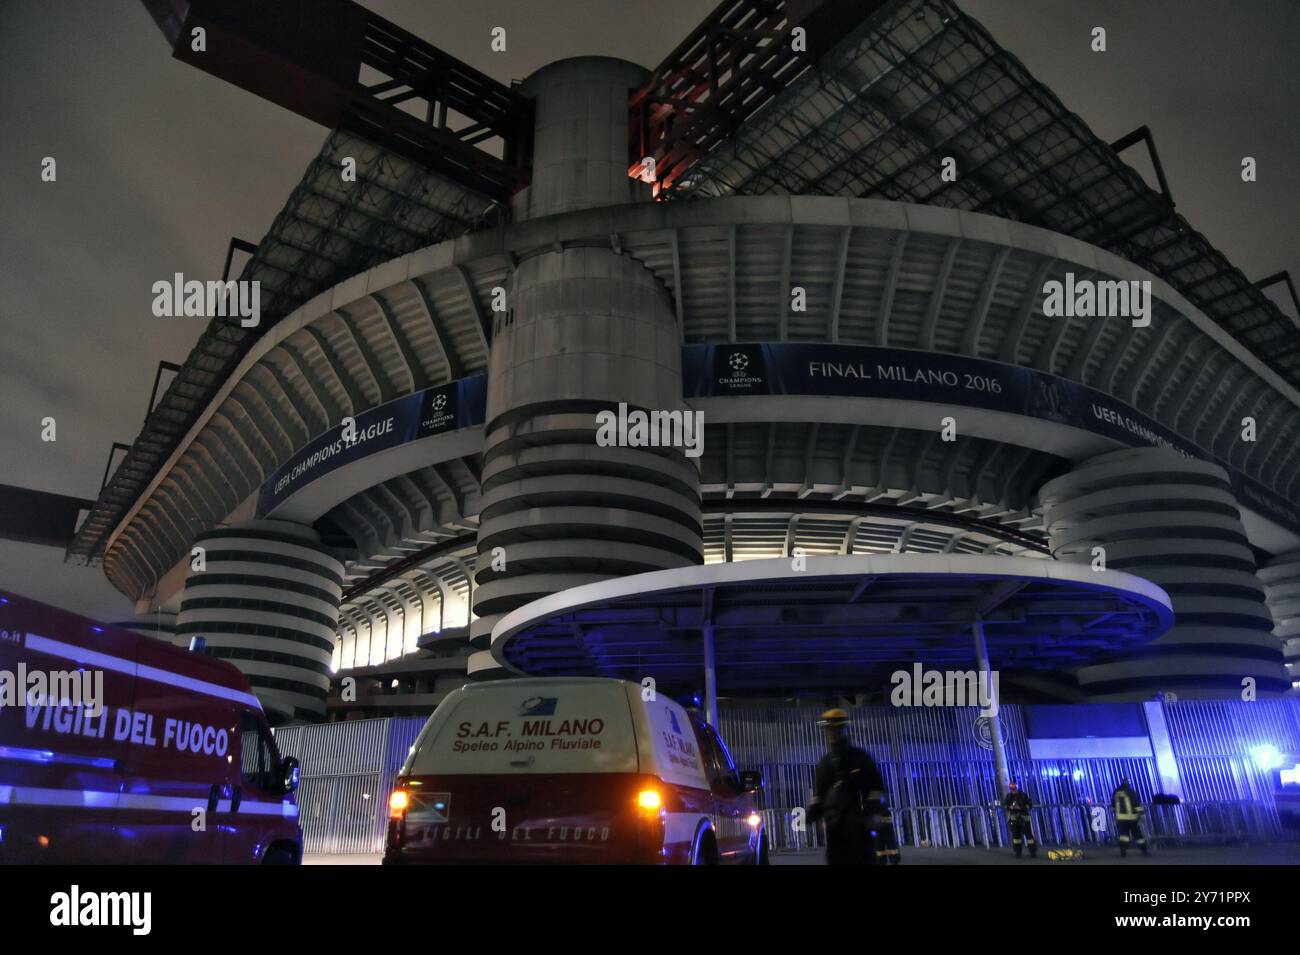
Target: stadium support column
267, 600
587, 329
1281, 577
1173, 520
1162, 747
995, 720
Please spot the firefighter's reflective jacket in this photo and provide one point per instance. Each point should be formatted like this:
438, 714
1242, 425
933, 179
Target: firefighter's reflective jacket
848, 789
847, 785
1128, 807
1017, 804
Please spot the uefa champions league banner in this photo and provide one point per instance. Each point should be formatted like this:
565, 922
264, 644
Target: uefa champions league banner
450, 407
866, 371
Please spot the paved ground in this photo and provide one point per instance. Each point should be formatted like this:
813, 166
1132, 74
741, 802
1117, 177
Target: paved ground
1217, 855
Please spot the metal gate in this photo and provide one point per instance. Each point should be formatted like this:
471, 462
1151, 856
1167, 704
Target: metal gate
347, 775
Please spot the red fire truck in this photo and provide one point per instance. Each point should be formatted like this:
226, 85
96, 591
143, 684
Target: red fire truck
119, 748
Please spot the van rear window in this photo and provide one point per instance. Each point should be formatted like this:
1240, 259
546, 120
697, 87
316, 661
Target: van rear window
559, 729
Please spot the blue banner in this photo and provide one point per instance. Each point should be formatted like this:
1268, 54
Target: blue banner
449, 407
866, 371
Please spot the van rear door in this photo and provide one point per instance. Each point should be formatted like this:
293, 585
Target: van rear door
523, 771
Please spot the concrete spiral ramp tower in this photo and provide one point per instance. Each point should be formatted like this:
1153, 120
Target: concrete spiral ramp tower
587, 328
1281, 578
267, 599
1174, 521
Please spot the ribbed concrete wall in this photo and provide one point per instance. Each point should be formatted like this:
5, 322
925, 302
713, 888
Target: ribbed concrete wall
587, 328
267, 600
1174, 521
590, 330
1281, 577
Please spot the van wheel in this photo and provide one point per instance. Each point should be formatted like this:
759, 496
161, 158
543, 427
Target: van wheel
706, 849
280, 855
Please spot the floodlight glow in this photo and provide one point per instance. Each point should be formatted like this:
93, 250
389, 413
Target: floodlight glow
1266, 757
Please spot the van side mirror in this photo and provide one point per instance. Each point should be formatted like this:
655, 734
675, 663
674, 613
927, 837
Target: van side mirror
290, 771
751, 780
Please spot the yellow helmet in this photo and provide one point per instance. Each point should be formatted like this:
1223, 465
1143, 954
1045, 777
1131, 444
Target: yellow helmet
835, 717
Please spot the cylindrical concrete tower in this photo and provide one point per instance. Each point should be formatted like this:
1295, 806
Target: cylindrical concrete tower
1281, 577
1174, 521
580, 137
587, 329
267, 600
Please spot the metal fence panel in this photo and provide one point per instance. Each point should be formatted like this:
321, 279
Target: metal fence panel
936, 761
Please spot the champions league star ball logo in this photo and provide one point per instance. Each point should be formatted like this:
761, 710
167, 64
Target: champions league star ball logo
437, 413
741, 374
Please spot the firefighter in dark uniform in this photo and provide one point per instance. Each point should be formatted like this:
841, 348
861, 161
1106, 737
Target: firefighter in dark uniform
1017, 804
1128, 810
848, 792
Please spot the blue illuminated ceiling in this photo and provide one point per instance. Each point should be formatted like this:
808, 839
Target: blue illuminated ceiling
844, 621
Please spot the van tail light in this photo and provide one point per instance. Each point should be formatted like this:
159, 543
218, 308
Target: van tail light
649, 814
398, 803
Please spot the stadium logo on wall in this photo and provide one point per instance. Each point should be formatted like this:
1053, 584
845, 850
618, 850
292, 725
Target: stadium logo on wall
739, 371
1050, 399
439, 412
982, 729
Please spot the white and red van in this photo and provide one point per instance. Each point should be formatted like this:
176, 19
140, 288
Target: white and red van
132, 751
581, 770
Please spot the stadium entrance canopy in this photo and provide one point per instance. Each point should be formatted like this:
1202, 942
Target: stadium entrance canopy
847, 618
818, 621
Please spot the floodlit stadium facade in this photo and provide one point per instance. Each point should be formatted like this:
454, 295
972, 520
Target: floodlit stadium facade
406, 453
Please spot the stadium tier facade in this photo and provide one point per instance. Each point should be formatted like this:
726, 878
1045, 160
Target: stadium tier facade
415, 444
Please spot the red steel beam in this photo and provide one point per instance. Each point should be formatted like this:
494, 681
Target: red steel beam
727, 68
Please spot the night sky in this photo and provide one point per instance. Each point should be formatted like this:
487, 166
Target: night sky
160, 164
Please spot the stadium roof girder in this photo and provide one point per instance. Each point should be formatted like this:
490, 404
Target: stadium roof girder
745, 163
725, 69
308, 56
333, 235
